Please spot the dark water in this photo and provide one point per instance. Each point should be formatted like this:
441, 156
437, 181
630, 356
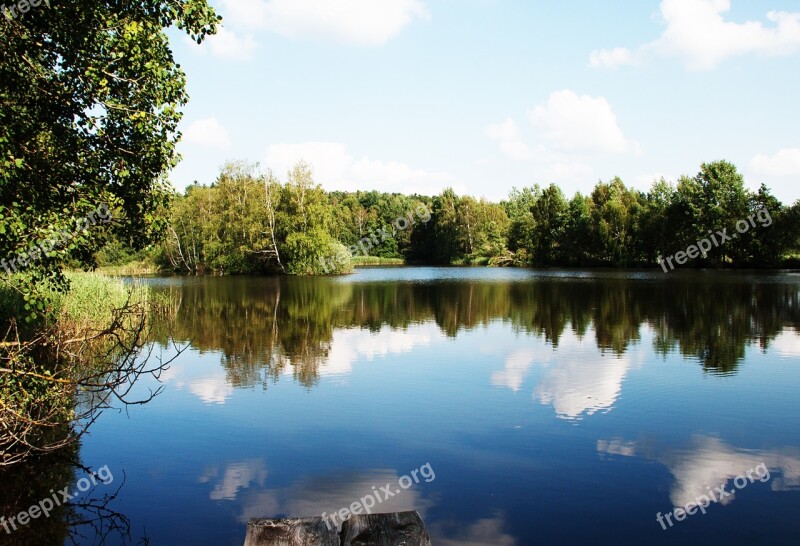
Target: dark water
551, 407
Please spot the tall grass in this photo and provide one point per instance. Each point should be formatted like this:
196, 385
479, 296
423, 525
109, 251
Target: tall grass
81, 351
376, 260
89, 304
130, 269
92, 299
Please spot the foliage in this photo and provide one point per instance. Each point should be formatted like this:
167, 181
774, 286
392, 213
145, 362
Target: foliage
84, 355
466, 229
715, 199
308, 253
621, 227
91, 97
249, 222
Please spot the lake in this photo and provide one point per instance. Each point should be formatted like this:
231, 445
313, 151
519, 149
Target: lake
535, 407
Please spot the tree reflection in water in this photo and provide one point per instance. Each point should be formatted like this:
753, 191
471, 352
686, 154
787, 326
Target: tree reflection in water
88, 518
263, 325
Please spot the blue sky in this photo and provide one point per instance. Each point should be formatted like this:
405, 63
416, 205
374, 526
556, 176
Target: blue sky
485, 95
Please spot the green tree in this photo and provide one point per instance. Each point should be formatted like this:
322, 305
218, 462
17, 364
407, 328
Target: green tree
615, 221
769, 236
522, 227
305, 204
658, 225
792, 229
306, 222
449, 235
91, 99
192, 235
713, 201
549, 217
492, 226
577, 240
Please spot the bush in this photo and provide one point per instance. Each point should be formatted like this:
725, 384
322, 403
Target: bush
316, 253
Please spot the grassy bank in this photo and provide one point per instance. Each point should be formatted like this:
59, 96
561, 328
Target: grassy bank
477, 260
129, 269
375, 260
93, 298
59, 370
88, 305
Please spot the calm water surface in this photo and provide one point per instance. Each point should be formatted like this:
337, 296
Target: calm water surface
554, 407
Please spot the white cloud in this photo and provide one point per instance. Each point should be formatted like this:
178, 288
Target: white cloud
510, 143
786, 344
517, 366
576, 387
570, 128
336, 169
329, 160
203, 378
237, 476
214, 389
616, 446
393, 174
698, 34
207, 133
516, 150
785, 162
481, 532
569, 171
506, 130
352, 345
226, 44
611, 58
327, 494
361, 22
580, 124
245, 13
711, 463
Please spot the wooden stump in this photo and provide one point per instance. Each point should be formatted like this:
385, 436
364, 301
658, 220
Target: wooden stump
399, 528
290, 532
385, 530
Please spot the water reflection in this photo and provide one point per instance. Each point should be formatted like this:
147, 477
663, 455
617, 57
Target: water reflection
86, 515
709, 463
517, 366
581, 387
204, 379
269, 327
480, 533
369, 377
246, 484
235, 477
352, 344
24, 486
576, 382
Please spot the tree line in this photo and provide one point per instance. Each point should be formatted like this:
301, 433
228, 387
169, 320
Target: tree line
248, 221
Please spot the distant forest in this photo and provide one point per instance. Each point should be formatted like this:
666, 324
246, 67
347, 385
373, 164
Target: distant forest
248, 221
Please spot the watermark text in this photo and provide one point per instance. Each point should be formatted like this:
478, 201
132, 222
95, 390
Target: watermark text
378, 495
718, 494
57, 498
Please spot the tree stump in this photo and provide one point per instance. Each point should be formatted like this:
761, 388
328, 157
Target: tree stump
399, 528
290, 532
405, 528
